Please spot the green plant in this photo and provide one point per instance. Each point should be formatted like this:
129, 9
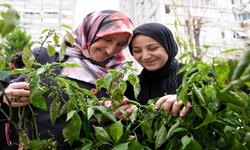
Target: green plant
14, 43
219, 109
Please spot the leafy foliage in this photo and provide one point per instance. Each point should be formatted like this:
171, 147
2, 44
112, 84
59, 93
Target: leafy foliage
219, 118
14, 43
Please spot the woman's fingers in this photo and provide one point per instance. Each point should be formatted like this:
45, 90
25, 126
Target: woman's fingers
169, 102
161, 101
129, 108
18, 94
185, 110
19, 85
176, 107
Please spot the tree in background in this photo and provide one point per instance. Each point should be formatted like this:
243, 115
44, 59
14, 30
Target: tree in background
14, 43
196, 14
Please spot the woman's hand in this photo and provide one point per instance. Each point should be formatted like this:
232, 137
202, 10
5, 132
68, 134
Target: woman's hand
129, 108
171, 101
18, 94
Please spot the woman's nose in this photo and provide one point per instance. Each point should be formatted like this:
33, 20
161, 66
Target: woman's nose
146, 55
111, 50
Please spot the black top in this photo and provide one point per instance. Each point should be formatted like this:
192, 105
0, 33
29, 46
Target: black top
164, 80
43, 118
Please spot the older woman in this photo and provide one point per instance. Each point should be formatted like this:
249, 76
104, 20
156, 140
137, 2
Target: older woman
98, 44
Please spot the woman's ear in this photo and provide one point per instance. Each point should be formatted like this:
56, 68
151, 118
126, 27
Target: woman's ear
12, 67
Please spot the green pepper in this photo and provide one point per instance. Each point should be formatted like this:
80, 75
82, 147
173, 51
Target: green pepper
134, 103
126, 133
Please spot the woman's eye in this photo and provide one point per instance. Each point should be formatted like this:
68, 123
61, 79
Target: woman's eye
108, 40
120, 44
153, 48
136, 51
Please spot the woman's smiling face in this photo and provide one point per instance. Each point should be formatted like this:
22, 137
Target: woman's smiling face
107, 46
149, 52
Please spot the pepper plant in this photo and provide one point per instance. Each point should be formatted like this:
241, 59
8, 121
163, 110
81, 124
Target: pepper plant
219, 118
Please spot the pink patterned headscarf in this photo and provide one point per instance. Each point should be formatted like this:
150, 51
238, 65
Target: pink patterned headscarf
93, 27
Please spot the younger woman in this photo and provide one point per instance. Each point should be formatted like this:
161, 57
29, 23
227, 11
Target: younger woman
154, 47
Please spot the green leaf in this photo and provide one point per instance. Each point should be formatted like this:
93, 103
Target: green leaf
72, 130
51, 50
122, 85
242, 65
183, 55
11, 19
230, 50
2, 59
116, 131
54, 109
172, 128
101, 134
247, 140
28, 58
66, 26
70, 114
99, 84
193, 145
185, 141
123, 146
44, 30
230, 97
146, 128
229, 129
90, 112
72, 65
123, 111
197, 110
161, 137
71, 38
41, 70
199, 95
221, 72
36, 98
37, 144
239, 146
116, 98
107, 112
133, 116
209, 119
135, 145
62, 51
108, 78
134, 80
56, 39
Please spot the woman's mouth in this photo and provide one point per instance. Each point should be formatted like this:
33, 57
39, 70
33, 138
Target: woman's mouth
101, 51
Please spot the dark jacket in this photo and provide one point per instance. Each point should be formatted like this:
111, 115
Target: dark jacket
43, 118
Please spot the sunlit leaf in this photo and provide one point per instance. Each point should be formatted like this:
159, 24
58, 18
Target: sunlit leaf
56, 39
27, 57
62, 51
71, 38
11, 19
51, 50
2, 59
66, 26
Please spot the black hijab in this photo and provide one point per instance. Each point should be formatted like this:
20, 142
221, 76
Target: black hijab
164, 80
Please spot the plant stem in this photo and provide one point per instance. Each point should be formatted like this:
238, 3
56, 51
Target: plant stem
10, 107
34, 116
86, 125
